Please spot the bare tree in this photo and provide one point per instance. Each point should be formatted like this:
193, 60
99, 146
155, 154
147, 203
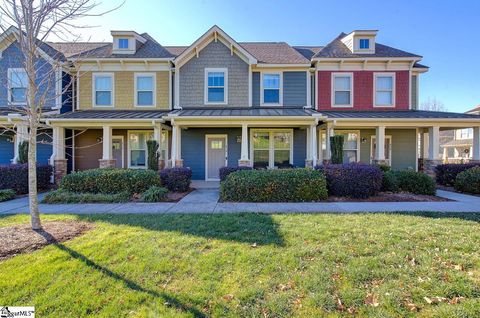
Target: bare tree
34, 21
433, 104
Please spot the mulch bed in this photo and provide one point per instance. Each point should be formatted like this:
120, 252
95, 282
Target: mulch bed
392, 197
19, 239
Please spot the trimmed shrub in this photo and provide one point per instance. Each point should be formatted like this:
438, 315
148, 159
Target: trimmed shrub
154, 194
468, 181
176, 179
447, 173
336, 148
390, 182
225, 171
110, 181
415, 182
15, 177
152, 150
354, 180
65, 197
6, 194
289, 185
384, 168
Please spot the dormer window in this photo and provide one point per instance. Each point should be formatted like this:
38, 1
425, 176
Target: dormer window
364, 44
123, 43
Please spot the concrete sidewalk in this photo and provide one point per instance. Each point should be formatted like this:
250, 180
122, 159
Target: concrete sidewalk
206, 201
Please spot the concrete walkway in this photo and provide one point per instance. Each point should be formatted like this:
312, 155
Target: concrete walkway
205, 200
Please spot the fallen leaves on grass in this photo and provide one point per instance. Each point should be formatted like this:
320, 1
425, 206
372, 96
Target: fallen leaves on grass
228, 297
287, 286
372, 300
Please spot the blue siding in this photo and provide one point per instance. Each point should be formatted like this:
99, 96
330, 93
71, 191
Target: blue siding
256, 88
193, 148
44, 146
294, 88
67, 97
6, 149
12, 58
299, 147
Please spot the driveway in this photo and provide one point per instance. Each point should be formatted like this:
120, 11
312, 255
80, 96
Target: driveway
206, 201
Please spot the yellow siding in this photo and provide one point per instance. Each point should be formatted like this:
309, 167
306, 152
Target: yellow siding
124, 90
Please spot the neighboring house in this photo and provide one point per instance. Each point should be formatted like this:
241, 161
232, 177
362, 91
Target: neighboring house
220, 102
459, 148
53, 81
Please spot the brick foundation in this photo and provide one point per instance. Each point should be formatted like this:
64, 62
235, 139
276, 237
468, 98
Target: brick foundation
161, 164
380, 162
429, 167
107, 163
179, 163
244, 163
60, 169
308, 163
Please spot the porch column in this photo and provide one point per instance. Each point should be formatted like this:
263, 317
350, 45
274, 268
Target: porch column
177, 160
313, 132
21, 135
329, 133
433, 150
157, 136
308, 159
244, 156
107, 160
319, 147
380, 148
58, 154
476, 145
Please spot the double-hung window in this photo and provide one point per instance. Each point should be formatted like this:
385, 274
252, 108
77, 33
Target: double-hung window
385, 90
103, 89
271, 89
144, 90
17, 85
364, 44
342, 87
272, 148
137, 147
216, 86
123, 44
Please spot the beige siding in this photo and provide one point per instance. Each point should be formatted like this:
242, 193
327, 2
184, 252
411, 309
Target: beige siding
124, 90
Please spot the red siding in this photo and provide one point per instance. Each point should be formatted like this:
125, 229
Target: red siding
363, 90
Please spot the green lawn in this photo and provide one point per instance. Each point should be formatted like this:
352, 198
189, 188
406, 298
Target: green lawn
250, 265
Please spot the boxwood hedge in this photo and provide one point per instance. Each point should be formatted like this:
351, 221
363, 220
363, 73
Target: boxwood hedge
289, 185
16, 177
468, 181
414, 182
110, 181
447, 173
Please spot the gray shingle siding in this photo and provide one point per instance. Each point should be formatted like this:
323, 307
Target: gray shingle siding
294, 88
214, 55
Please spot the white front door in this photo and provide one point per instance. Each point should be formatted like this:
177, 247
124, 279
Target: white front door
388, 149
215, 156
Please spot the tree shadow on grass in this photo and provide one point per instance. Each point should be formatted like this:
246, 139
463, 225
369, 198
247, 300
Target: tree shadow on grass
467, 216
170, 300
244, 227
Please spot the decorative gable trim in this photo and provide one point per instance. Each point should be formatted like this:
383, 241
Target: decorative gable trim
214, 34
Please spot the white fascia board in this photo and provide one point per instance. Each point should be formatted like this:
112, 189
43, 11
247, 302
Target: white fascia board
346, 59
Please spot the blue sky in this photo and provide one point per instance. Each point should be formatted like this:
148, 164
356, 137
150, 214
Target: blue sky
444, 32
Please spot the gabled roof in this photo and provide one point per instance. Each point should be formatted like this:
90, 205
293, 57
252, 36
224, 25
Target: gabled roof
214, 33
337, 49
70, 49
149, 49
274, 53
475, 111
308, 51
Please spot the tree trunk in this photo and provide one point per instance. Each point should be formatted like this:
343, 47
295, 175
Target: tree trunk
32, 178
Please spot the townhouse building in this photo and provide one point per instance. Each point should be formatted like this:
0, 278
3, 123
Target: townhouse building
219, 102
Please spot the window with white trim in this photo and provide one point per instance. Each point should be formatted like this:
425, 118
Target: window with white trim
384, 90
137, 147
272, 148
123, 43
342, 90
271, 88
364, 44
216, 86
144, 90
103, 89
17, 85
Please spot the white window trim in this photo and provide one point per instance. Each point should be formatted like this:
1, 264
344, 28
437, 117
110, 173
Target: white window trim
120, 137
129, 159
154, 91
271, 157
280, 98
332, 80
394, 83
207, 136
94, 102
225, 85
372, 155
359, 139
9, 86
